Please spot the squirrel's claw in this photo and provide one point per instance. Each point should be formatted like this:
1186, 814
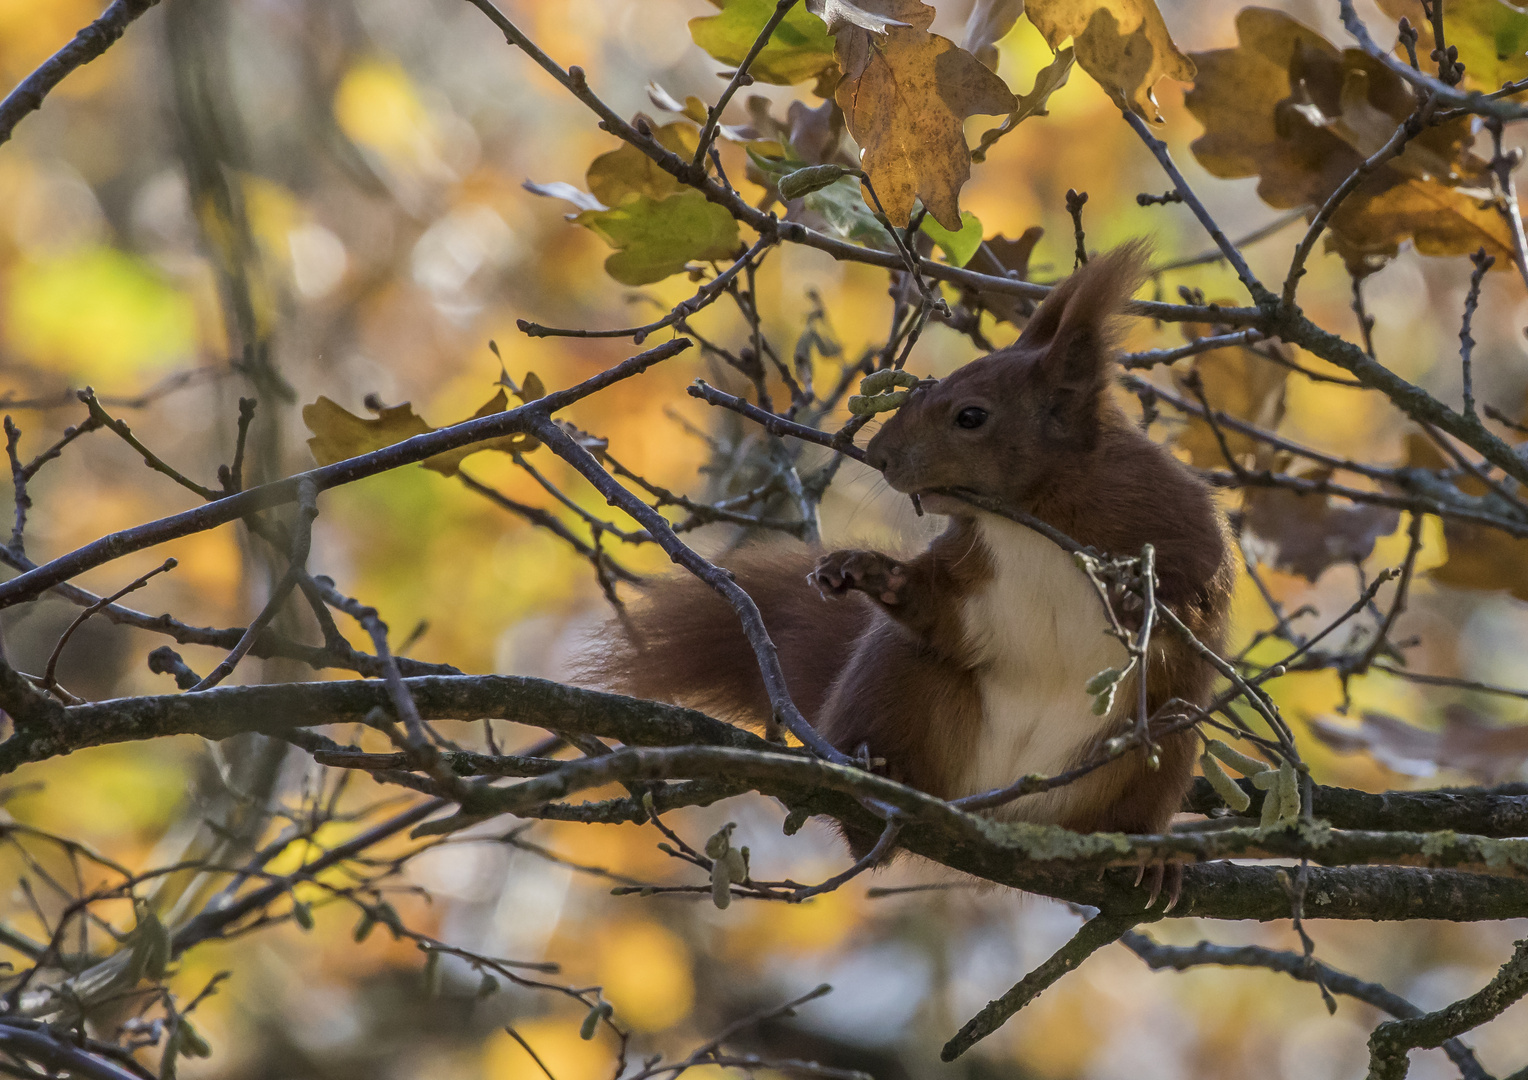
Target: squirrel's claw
1166, 874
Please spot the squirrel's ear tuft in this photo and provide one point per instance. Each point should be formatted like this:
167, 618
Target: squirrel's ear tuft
1075, 324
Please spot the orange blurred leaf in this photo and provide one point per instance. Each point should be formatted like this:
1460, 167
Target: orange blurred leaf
1237, 382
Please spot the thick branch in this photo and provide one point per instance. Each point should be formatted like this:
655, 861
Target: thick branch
1501, 811
1038, 859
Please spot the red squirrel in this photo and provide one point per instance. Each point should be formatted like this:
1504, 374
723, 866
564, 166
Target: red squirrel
963, 668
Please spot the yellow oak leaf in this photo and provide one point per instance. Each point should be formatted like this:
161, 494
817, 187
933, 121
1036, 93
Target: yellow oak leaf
1123, 44
339, 434
626, 172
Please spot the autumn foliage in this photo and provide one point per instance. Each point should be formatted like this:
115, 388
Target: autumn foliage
303, 774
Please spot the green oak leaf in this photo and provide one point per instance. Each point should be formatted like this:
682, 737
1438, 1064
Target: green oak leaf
800, 48
958, 247
656, 238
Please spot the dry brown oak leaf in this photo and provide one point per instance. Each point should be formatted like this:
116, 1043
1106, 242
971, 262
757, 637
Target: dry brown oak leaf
1288, 107
905, 94
1468, 743
1309, 532
1123, 44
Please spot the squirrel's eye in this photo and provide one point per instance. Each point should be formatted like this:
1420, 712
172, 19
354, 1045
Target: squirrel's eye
970, 417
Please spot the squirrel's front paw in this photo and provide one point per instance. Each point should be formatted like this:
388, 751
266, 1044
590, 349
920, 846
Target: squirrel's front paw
870, 572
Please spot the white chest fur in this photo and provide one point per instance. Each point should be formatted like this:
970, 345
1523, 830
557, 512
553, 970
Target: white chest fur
1037, 632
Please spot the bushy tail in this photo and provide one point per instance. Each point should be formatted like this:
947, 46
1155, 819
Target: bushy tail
684, 644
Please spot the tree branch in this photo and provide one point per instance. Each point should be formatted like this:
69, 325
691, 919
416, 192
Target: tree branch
1392, 1040
115, 545
88, 44
1097, 932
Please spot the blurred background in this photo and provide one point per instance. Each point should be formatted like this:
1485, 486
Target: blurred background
294, 198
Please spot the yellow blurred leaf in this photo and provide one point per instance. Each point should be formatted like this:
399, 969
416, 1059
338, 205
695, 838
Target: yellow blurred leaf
1123, 44
1048, 80
555, 1042
377, 106
644, 969
30, 33
339, 434
905, 99
1491, 36
98, 314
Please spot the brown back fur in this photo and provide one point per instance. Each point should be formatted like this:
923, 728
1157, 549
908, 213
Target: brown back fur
689, 647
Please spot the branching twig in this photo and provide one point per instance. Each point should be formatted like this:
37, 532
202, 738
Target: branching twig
49, 682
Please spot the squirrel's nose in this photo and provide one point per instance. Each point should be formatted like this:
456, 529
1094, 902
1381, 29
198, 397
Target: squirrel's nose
876, 457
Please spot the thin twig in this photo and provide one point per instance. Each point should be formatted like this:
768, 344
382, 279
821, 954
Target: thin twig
88, 44
1296, 966
785, 711
1409, 129
1391, 1041
740, 78
1097, 932
302, 540
49, 682
1075, 201
1483, 262
234, 507
1254, 287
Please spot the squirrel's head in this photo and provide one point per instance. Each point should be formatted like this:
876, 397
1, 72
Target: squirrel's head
1001, 424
